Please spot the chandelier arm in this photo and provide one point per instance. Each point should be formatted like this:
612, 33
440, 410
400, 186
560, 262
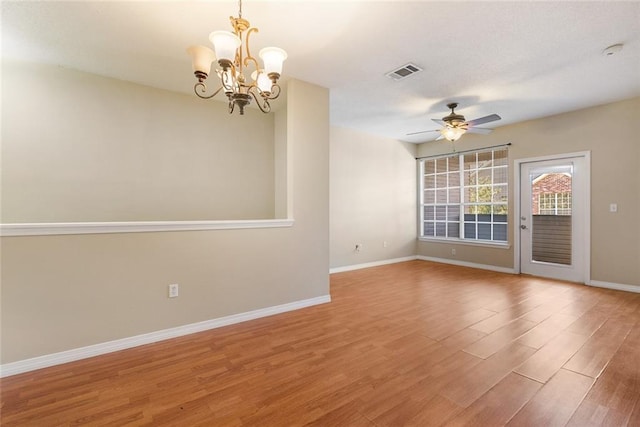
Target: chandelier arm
228, 80
263, 104
249, 56
203, 90
273, 94
275, 91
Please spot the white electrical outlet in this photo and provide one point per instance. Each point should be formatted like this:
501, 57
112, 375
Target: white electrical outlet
453, 251
385, 244
358, 247
174, 290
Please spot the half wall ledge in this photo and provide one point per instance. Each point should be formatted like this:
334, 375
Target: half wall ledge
61, 228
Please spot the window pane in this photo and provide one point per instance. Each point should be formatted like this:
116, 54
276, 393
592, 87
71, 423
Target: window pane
485, 193
470, 161
429, 166
484, 213
469, 230
429, 196
499, 213
441, 229
470, 178
500, 232
441, 180
428, 213
441, 165
429, 181
428, 229
454, 163
453, 229
454, 195
484, 231
485, 159
500, 175
484, 176
454, 179
500, 157
500, 193
441, 213
453, 213
441, 196
470, 195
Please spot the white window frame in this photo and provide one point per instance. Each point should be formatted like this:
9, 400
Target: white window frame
461, 204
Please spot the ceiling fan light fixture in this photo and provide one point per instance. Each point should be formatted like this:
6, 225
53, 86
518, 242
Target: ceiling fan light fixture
452, 134
455, 125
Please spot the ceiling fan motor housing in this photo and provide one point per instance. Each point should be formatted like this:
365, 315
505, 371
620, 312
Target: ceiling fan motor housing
453, 119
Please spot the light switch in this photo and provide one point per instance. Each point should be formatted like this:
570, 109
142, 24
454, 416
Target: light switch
613, 207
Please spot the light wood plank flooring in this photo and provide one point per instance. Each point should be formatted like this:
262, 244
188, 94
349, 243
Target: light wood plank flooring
415, 343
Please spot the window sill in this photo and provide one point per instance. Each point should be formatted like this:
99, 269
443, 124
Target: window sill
467, 243
60, 228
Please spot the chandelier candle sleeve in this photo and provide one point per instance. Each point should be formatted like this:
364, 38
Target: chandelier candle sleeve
234, 59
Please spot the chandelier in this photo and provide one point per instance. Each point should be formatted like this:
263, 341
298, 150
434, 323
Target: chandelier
235, 61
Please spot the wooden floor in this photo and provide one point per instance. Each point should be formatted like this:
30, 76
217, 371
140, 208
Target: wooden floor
415, 343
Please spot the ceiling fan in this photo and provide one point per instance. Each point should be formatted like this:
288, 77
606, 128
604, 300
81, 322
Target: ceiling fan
455, 125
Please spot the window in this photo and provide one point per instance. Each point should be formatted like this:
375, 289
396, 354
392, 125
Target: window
555, 204
465, 196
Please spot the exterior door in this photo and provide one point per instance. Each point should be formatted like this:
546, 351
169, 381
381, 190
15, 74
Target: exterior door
552, 218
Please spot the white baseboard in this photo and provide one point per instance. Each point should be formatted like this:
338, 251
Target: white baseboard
468, 264
45, 361
371, 264
616, 286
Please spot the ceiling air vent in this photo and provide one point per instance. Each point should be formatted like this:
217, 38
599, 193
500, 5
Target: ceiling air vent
404, 71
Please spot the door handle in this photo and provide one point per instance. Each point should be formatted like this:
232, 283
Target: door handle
524, 227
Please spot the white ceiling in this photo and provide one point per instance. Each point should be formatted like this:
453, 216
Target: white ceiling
521, 60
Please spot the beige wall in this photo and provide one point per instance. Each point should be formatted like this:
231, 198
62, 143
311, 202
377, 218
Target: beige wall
373, 198
610, 132
64, 292
78, 147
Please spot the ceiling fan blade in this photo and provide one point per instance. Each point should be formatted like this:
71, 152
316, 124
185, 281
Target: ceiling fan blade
438, 121
439, 138
482, 131
422, 131
485, 119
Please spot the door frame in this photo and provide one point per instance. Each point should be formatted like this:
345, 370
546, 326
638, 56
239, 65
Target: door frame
586, 207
